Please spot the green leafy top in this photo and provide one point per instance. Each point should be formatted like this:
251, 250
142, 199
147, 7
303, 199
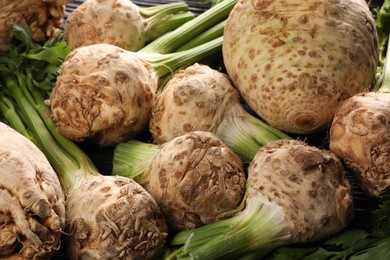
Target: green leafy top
40, 61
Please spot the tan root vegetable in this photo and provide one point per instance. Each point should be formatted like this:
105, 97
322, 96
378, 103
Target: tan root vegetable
360, 131
44, 17
113, 218
122, 23
360, 136
194, 177
295, 61
103, 93
295, 193
32, 204
204, 99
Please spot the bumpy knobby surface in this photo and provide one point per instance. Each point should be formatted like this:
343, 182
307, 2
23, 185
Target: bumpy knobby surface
295, 61
113, 218
103, 93
308, 183
116, 22
360, 136
32, 205
194, 178
44, 17
195, 99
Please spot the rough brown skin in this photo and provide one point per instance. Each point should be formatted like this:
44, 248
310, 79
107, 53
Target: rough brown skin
32, 204
116, 22
45, 18
104, 94
295, 61
197, 98
113, 217
194, 178
308, 183
360, 136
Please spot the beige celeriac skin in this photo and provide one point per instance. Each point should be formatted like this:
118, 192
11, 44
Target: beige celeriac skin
45, 18
195, 178
32, 204
309, 184
104, 94
360, 136
295, 61
113, 217
197, 98
116, 22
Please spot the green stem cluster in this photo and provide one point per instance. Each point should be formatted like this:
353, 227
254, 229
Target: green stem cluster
259, 228
245, 134
164, 18
132, 159
173, 40
164, 64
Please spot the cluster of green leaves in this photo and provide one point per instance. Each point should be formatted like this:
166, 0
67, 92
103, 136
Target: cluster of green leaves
30, 67
355, 243
40, 61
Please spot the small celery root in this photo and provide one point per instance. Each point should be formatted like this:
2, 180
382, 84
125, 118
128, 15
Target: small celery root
122, 23
102, 93
360, 136
113, 218
194, 177
45, 19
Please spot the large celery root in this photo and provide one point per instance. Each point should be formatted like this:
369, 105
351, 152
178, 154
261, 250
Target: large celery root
32, 204
289, 69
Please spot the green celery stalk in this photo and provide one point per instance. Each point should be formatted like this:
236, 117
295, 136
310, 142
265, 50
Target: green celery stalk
132, 159
164, 18
212, 33
164, 64
173, 40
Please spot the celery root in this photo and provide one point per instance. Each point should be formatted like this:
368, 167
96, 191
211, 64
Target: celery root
194, 177
44, 17
32, 203
286, 66
122, 23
